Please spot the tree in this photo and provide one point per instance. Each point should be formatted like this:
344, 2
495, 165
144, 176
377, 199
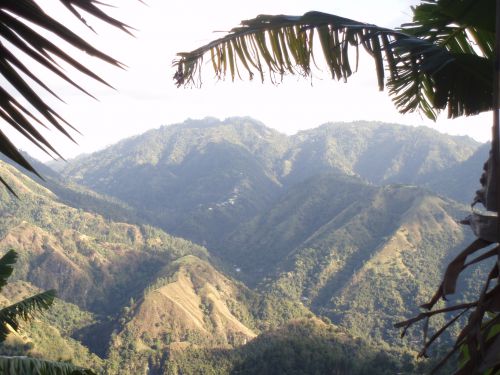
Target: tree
444, 59
25, 310
20, 22
20, 39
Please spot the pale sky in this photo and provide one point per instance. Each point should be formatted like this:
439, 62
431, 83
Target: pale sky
146, 97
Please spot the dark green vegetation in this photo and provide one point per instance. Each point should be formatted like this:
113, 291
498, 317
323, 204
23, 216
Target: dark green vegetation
339, 221
24, 310
300, 347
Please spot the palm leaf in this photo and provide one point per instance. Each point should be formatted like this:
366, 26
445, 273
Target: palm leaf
6, 266
465, 26
16, 17
33, 366
420, 74
11, 316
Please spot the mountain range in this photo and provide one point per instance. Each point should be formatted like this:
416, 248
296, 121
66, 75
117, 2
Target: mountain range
206, 234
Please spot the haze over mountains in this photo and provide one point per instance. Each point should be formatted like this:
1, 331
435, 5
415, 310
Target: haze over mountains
350, 221
187, 175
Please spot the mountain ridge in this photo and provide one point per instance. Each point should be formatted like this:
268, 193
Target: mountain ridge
303, 221
189, 175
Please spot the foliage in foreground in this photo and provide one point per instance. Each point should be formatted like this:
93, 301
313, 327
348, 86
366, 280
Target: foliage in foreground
16, 27
10, 319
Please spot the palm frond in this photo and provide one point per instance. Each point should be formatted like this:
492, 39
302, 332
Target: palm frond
17, 35
6, 266
461, 26
420, 74
34, 366
11, 316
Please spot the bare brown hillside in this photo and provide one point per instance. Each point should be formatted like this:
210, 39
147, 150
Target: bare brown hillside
194, 303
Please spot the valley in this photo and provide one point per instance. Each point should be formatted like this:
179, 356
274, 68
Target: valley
213, 246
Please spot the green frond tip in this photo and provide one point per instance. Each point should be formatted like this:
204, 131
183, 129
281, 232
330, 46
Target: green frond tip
11, 316
34, 366
20, 21
6, 266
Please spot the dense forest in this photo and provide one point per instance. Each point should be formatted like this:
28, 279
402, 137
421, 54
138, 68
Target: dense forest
298, 253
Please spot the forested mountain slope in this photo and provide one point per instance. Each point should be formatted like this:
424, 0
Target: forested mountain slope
340, 221
202, 178
111, 276
312, 217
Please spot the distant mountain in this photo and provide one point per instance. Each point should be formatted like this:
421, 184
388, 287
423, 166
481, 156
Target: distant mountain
377, 152
461, 181
194, 179
201, 179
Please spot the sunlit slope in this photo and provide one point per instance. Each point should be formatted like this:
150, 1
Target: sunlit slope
191, 305
92, 262
191, 301
364, 256
121, 286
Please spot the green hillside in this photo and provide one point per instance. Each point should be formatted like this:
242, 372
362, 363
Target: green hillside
358, 254
312, 217
120, 286
305, 346
200, 179
339, 222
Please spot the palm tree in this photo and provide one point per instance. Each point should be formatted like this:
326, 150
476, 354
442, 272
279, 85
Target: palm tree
22, 108
443, 60
25, 310
19, 39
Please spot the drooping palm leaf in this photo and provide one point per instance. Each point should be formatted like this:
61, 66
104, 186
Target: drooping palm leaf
33, 366
16, 17
443, 59
420, 74
6, 266
462, 26
11, 316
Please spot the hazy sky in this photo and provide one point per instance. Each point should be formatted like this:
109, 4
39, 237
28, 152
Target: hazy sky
146, 97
